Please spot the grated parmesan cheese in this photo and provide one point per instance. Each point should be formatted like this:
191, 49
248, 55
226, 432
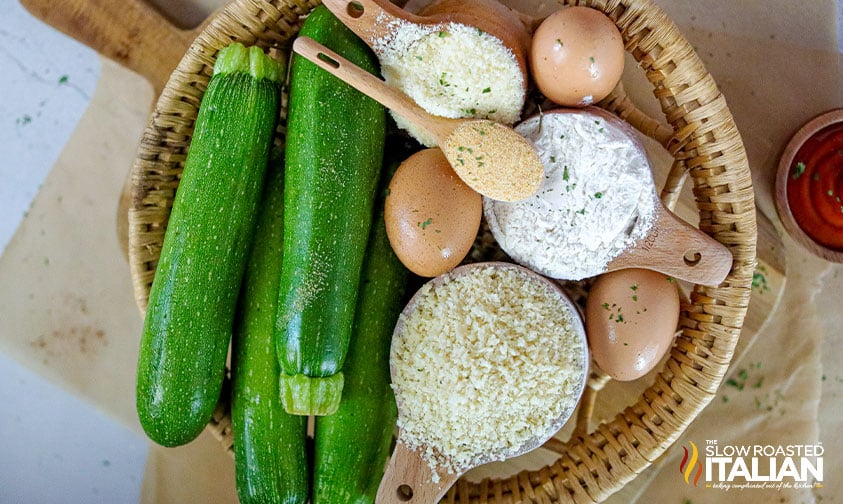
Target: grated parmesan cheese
451, 70
489, 359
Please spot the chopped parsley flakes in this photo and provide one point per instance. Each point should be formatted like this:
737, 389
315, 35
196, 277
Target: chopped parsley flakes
798, 170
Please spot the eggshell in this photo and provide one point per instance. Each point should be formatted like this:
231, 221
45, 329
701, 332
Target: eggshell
631, 319
431, 215
576, 56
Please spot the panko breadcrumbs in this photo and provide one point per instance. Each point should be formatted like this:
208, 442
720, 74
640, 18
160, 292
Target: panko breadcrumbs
485, 361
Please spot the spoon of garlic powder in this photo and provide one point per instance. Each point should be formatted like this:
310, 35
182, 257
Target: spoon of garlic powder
487, 362
489, 157
456, 58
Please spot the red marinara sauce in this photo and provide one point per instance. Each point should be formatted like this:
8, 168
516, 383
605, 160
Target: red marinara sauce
815, 186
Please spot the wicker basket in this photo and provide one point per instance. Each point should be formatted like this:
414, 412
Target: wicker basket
595, 461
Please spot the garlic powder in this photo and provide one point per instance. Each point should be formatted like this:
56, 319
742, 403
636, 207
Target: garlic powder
451, 70
596, 201
487, 360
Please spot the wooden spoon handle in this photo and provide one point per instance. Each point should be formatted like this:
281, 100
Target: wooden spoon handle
370, 85
371, 20
408, 478
677, 249
129, 32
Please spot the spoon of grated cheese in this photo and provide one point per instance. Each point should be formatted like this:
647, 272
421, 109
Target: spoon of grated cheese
491, 158
454, 58
487, 362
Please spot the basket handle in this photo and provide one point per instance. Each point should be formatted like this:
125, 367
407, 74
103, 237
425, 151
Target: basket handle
619, 103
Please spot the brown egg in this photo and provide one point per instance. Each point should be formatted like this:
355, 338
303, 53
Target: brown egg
432, 217
577, 56
631, 317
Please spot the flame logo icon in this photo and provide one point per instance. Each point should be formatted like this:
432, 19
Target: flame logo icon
690, 462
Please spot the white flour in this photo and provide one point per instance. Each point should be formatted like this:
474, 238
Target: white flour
597, 198
451, 70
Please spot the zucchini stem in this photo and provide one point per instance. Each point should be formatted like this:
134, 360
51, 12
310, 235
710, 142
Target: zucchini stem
307, 395
235, 57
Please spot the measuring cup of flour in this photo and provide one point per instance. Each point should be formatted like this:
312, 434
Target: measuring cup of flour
597, 208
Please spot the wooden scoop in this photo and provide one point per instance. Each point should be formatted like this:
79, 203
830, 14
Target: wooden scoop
376, 20
677, 249
489, 157
408, 476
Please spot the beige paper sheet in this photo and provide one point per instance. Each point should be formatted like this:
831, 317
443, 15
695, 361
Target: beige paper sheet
65, 289
777, 405
770, 97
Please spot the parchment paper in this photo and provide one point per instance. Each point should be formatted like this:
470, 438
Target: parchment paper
775, 76
68, 311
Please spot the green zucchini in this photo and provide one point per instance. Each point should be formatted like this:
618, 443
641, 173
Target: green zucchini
334, 153
189, 318
269, 444
351, 446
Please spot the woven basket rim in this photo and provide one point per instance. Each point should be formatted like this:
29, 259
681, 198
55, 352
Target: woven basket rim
706, 147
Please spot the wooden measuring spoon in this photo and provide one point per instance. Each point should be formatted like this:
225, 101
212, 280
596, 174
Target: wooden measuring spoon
677, 249
408, 476
375, 21
489, 157
669, 245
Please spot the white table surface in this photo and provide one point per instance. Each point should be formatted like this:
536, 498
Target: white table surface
56, 448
